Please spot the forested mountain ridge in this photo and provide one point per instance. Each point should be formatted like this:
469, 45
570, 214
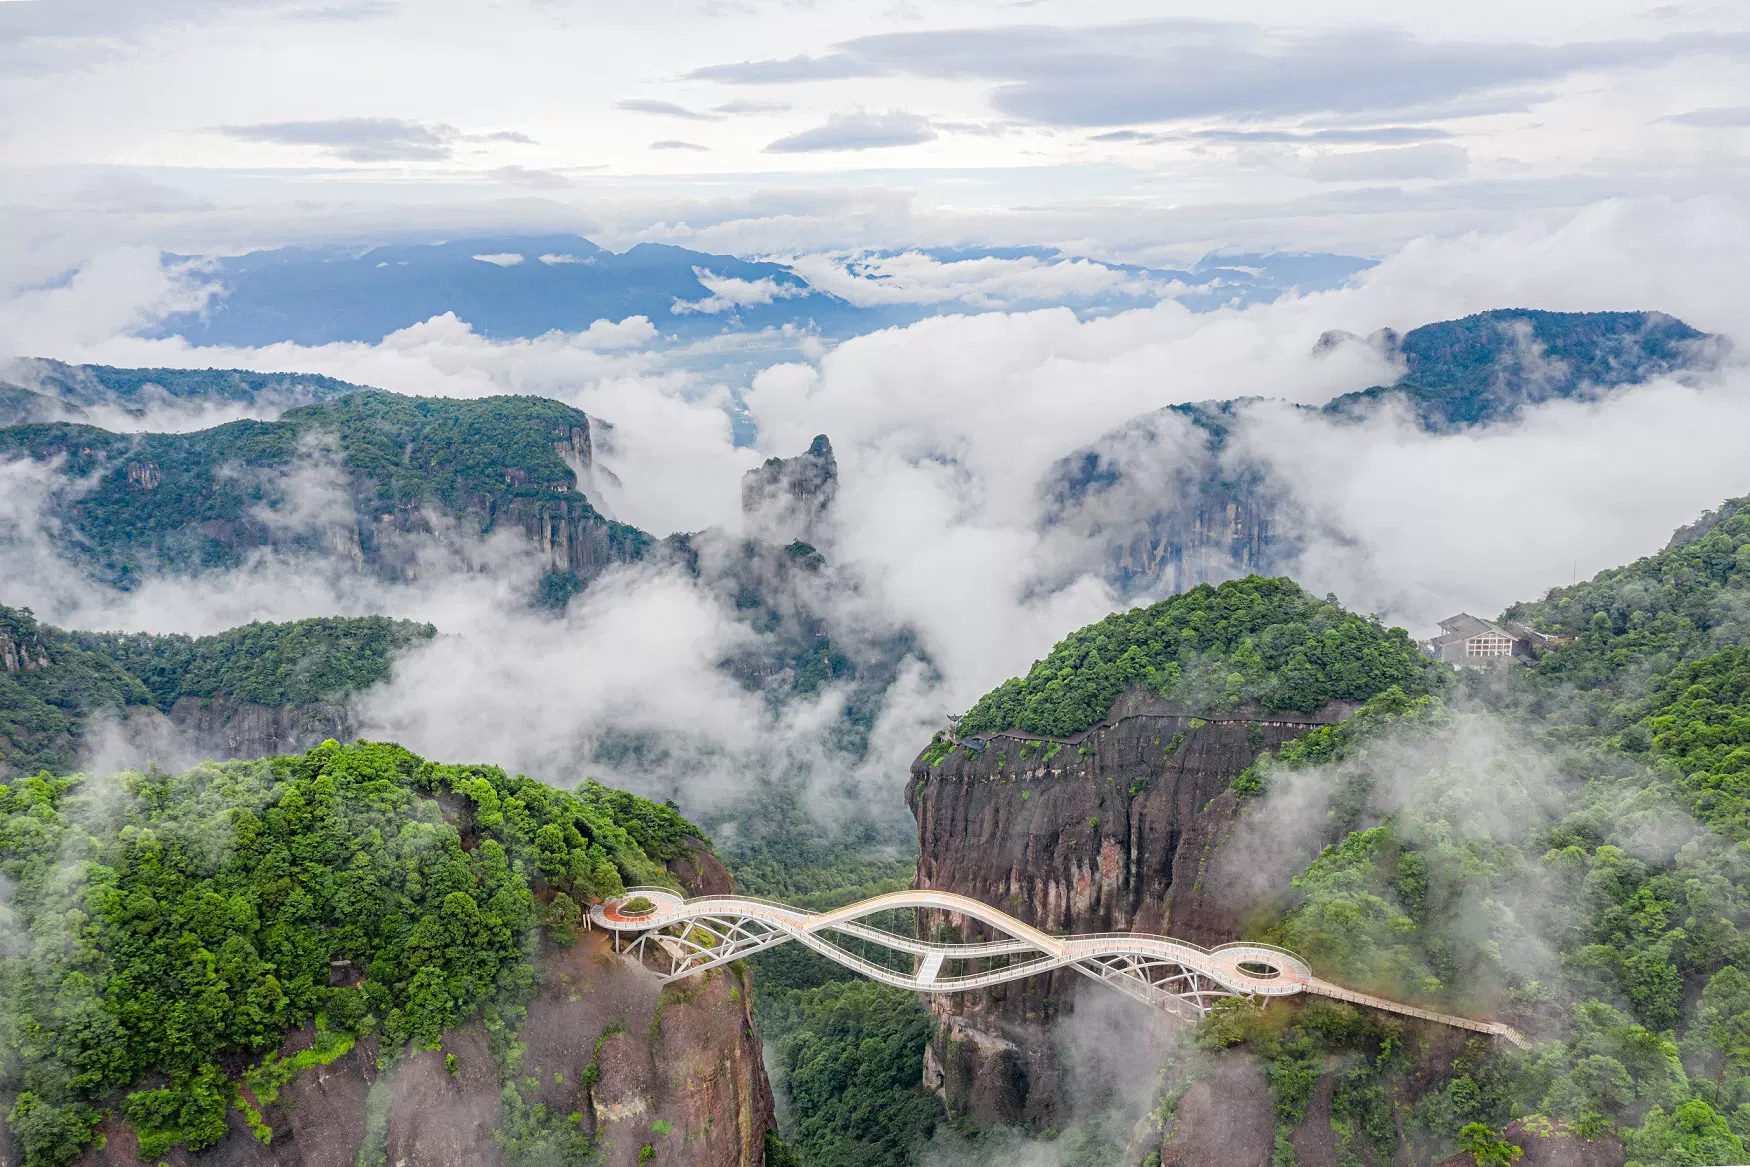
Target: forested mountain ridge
35, 389
1172, 499
183, 927
55, 684
345, 476
1485, 368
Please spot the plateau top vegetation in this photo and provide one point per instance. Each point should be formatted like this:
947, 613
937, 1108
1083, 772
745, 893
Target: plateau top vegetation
1215, 646
38, 390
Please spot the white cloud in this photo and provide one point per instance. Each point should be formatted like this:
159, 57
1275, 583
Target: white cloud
857, 131
986, 282
500, 258
115, 292
1427, 160
729, 293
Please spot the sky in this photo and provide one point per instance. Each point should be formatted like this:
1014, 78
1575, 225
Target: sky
1142, 131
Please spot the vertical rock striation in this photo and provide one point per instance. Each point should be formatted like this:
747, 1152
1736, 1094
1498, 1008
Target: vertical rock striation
1108, 830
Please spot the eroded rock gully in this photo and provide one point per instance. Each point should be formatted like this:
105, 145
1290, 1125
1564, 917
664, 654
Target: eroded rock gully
1111, 830
677, 1071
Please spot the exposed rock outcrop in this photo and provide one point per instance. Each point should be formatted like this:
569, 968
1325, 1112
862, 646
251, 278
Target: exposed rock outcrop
1110, 830
225, 727
1228, 1117
785, 499
1162, 504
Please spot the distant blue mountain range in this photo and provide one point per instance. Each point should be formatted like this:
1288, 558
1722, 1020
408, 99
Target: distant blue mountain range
523, 286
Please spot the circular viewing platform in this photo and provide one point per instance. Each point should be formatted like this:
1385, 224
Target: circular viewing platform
626, 914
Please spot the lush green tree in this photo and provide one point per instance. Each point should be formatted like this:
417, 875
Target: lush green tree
1691, 1136
852, 1056
1487, 1147
1722, 1021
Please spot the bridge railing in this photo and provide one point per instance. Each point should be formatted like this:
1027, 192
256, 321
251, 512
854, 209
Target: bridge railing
1048, 951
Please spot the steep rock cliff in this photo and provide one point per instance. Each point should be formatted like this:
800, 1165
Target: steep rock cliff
225, 727
784, 499
1107, 830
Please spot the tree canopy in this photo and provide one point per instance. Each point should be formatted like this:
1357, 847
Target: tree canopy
164, 923
1254, 639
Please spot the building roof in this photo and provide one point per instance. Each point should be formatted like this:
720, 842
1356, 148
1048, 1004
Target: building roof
1464, 626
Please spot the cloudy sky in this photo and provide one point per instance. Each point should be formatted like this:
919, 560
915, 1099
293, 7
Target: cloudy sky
1151, 133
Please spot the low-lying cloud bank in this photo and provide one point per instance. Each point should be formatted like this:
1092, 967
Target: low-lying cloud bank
943, 432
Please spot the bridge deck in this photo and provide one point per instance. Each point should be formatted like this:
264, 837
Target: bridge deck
708, 931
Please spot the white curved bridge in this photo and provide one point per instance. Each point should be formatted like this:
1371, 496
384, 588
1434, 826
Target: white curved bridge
1181, 978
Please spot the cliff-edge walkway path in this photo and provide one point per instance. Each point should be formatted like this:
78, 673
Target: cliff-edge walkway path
1183, 979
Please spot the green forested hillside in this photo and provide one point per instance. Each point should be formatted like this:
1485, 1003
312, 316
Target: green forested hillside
170, 929
1573, 865
1494, 892
1253, 639
1632, 625
319, 659
52, 682
185, 502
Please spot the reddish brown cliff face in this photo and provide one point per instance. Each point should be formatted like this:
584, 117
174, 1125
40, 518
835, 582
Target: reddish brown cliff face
678, 1070
1108, 831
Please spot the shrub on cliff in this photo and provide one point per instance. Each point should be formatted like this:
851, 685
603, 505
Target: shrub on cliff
1253, 639
160, 926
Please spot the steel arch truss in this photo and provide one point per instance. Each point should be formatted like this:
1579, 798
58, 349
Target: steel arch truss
696, 935
1158, 981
